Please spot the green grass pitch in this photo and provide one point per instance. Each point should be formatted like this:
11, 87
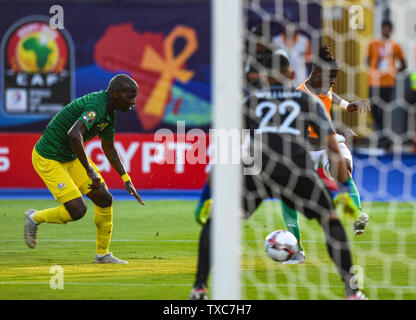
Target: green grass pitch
160, 242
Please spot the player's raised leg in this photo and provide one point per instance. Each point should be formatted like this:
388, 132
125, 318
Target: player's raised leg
70, 211
59, 182
362, 220
291, 219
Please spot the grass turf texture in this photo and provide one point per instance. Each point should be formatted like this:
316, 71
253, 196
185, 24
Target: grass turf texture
160, 242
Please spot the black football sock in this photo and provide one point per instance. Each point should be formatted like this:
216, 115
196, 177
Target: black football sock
203, 256
339, 251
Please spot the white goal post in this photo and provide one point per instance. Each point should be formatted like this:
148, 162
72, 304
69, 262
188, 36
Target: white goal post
227, 98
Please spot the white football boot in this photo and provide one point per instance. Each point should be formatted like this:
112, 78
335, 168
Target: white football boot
298, 257
108, 258
31, 229
360, 224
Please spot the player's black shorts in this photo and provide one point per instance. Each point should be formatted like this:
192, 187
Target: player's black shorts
293, 180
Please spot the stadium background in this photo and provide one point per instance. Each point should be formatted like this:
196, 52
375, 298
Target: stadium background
108, 37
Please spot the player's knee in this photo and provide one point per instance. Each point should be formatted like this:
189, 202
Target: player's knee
104, 200
349, 166
76, 208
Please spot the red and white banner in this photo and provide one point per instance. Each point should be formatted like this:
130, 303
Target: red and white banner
169, 164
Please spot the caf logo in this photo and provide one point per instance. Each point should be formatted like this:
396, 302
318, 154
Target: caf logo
34, 47
38, 64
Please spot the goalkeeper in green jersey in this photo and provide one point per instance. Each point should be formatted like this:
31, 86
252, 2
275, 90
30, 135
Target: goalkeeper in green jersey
60, 160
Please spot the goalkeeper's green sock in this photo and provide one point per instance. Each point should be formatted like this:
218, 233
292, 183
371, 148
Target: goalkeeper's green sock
290, 216
354, 194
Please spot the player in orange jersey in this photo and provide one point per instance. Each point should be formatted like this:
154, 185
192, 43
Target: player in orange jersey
320, 84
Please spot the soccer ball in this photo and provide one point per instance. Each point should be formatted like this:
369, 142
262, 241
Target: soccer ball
281, 245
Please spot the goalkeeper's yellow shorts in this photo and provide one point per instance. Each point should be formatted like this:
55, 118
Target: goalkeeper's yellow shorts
65, 180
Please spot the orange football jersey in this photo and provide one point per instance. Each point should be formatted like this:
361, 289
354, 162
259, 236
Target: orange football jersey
326, 100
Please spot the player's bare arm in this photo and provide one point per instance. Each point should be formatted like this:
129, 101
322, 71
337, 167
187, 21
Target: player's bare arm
403, 65
360, 105
76, 140
114, 158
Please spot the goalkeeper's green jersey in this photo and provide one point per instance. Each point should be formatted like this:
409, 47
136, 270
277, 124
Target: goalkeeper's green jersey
91, 109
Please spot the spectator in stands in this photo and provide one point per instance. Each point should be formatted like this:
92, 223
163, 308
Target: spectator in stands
298, 48
383, 54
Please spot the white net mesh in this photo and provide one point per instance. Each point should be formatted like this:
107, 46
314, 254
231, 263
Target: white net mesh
384, 257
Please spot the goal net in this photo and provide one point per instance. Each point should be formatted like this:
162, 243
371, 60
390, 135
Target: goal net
384, 257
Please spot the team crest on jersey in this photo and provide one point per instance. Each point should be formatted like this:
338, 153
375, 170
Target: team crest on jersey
61, 185
90, 116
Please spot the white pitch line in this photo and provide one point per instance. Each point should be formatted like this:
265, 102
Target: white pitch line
102, 284
327, 286
113, 240
190, 240
190, 285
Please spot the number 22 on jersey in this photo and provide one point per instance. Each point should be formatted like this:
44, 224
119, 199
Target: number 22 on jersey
287, 106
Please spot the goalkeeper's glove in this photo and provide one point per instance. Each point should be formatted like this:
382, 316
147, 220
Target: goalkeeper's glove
344, 203
203, 211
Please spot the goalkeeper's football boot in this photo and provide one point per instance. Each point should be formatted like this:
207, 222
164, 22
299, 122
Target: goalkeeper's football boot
356, 296
108, 258
360, 223
298, 257
31, 229
199, 293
